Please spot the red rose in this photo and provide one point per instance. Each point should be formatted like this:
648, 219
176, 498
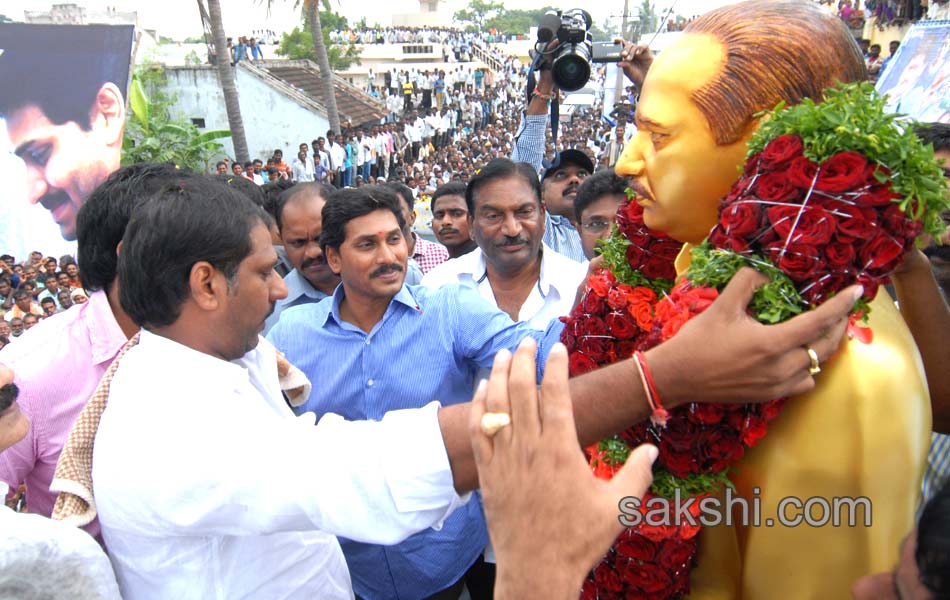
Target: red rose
598, 349
752, 163
634, 546
771, 409
675, 555
647, 576
639, 238
801, 172
622, 326
753, 431
592, 304
899, 223
826, 284
607, 579
616, 298
658, 267
780, 151
798, 261
813, 225
666, 248
877, 195
882, 254
776, 187
600, 282
626, 348
578, 364
839, 255
739, 189
842, 172
855, 223
870, 285
741, 219
706, 413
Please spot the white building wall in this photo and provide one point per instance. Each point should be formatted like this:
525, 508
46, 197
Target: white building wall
271, 119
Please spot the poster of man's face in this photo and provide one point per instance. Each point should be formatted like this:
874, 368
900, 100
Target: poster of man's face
62, 107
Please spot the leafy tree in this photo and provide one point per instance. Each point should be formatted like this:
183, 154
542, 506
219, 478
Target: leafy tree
152, 134
605, 32
298, 44
648, 17
479, 12
194, 40
516, 21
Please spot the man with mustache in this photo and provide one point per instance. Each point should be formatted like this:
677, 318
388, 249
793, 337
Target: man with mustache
450, 219
300, 224
378, 330
512, 267
66, 126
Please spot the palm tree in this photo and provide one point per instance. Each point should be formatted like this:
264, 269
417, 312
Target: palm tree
226, 78
311, 11
323, 60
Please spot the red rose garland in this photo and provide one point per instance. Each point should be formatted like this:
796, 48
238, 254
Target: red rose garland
814, 227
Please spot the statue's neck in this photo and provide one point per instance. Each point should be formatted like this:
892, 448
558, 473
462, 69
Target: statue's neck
682, 260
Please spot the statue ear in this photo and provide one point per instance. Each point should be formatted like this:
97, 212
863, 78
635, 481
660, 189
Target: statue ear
107, 115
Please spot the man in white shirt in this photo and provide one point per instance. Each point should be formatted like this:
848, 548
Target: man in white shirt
337, 157
302, 168
512, 268
205, 483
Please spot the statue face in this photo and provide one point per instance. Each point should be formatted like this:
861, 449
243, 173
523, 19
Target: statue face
677, 167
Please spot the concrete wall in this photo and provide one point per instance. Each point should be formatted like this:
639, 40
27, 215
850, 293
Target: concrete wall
271, 119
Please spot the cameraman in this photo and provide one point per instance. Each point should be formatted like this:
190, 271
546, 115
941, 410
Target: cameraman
559, 233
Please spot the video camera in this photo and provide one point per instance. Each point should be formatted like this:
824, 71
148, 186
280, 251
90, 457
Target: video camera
571, 65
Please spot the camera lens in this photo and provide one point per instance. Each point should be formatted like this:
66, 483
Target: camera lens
571, 71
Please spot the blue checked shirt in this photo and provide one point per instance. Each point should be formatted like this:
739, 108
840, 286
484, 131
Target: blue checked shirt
299, 291
429, 345
937, 474
559, 233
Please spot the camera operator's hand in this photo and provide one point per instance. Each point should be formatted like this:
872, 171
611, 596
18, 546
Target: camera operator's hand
545, 89
636, 61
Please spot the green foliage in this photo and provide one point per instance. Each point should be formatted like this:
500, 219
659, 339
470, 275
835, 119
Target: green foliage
648, 17
853, 117
153, 135
194, 40
479, 12
298, 44
516, 22
774, 302
665, 484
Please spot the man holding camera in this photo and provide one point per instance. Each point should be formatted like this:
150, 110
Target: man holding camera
559, 192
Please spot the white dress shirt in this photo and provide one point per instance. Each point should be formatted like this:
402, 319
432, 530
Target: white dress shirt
552, 297
207, 485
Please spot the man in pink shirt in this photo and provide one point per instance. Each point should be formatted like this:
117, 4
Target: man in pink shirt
58, 364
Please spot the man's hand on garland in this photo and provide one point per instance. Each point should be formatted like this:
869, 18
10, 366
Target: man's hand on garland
725, 356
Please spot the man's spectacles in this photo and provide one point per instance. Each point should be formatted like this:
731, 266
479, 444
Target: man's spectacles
596, 225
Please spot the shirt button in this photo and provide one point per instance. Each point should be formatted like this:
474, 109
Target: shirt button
370, 383
367, 341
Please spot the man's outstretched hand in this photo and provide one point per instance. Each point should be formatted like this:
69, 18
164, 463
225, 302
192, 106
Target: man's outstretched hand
724, 355
549, 518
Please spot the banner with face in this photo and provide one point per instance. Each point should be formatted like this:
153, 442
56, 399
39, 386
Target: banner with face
62, 116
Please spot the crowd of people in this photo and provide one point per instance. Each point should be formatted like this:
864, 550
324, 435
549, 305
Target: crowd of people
35, 289
270, 387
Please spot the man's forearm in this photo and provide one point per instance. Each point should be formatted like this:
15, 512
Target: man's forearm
927, 315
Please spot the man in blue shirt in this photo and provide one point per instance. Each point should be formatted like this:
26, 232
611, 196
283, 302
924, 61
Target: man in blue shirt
395, 346
298, 218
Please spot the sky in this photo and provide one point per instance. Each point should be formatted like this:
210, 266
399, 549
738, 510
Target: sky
178, 19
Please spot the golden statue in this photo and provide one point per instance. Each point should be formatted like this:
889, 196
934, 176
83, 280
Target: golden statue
864, 430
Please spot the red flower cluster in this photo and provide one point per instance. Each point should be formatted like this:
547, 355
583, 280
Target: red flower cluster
608, 324
650, 252
825, 225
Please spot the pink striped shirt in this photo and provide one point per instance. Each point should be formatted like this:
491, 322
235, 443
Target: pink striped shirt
57, 364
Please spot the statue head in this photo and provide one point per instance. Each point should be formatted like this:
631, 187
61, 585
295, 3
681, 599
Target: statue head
698, 103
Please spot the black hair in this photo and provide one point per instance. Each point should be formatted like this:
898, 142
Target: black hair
937, 134
501, 168
196, 219
248, 165
599, 184
9, 392
67, 259
102, 220
404, 192
221, 163
308, 189
933, 544
453, 188
65, 92
47, 299
351, 203
20, 293
272, 191
244, 186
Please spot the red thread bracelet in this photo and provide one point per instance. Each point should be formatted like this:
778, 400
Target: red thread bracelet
660, 415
